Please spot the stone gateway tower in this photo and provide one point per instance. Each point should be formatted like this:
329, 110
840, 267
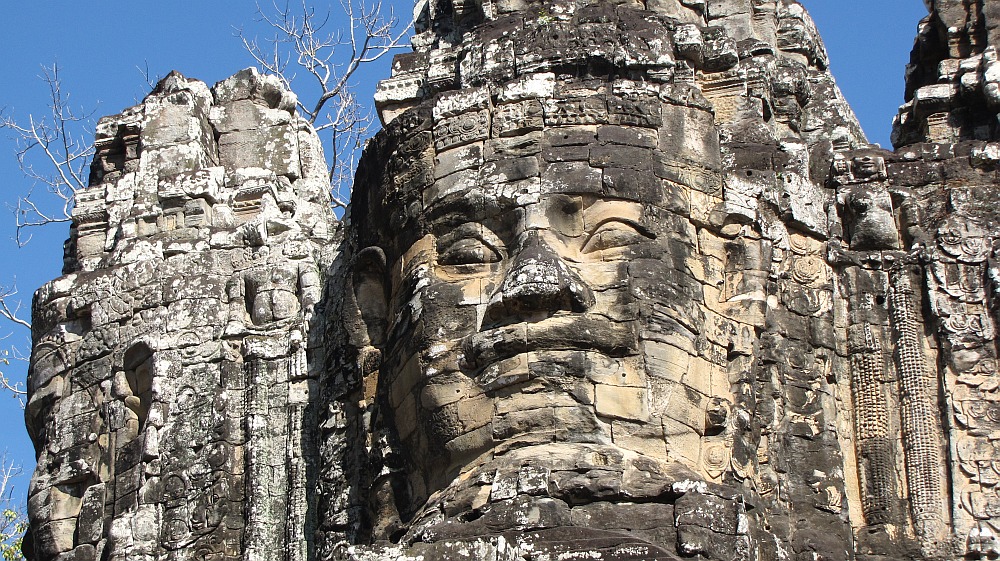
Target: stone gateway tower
619, 280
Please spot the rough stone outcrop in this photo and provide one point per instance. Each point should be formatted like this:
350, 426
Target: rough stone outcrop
953, 79
619, 280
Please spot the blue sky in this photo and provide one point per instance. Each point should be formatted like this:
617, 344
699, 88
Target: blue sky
101, 47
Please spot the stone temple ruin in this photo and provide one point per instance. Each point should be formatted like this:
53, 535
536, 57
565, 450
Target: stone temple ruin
619, 280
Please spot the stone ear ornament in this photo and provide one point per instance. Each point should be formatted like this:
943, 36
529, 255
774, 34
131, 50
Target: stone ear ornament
369, 360
370, 293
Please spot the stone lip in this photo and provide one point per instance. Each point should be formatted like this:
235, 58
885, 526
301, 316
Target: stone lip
586, 332
534, 469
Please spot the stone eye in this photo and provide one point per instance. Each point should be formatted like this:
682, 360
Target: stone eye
469, 244
616, 233
469, 251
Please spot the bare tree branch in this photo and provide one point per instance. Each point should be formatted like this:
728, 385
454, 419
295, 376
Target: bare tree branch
148, 77
10, 310
330, 57
54, 152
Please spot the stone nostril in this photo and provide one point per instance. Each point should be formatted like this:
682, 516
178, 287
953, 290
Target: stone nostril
581, 297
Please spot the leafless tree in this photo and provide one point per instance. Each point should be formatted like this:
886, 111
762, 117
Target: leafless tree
10, 310
329, 54
53, 151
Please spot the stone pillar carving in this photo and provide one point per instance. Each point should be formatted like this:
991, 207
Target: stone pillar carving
871, 384
920, 390
889, 370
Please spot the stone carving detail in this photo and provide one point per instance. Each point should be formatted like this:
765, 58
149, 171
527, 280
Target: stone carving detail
868, 213
873, 427
617, 281
960, 303
919, 392
953, 82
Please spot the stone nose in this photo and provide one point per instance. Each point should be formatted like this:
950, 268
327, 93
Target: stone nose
538, 280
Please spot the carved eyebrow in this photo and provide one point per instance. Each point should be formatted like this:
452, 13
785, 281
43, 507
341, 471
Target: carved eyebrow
451, 218
601, 211
471, 206
635, 225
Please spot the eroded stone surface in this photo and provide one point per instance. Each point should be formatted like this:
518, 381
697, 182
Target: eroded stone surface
618, 281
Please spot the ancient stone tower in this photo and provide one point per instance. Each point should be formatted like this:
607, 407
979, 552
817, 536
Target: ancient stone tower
619, 280
171, 394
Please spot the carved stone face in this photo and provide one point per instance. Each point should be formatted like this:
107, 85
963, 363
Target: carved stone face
868, 167
552, 308
530, 324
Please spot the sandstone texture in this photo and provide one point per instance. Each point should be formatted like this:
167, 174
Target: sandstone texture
619, 281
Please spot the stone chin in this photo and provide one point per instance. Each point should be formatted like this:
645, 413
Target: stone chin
570, 499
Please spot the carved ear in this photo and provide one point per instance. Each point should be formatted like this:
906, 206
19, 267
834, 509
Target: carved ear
371, 292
